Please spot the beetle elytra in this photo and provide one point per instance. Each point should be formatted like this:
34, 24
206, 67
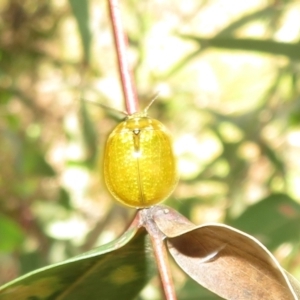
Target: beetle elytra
139, 162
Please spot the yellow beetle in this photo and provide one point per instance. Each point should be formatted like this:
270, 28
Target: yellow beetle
139, 162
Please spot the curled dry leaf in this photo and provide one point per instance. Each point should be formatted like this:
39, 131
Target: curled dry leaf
228, 262
295, 284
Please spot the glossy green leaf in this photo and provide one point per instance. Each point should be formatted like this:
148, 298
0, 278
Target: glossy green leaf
81, 13
274, 220
118, 270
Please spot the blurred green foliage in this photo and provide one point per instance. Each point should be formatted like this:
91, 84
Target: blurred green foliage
228, 76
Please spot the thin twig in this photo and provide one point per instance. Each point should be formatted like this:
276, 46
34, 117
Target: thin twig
160, 253
129, 90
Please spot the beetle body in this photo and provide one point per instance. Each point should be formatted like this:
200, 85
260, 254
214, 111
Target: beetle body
139, 163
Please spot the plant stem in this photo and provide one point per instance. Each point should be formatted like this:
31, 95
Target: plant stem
121, 42
160, 253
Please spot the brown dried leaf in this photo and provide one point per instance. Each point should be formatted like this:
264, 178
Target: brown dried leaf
295, 283
226, 261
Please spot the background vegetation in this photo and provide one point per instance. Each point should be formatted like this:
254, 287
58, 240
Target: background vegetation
228, 77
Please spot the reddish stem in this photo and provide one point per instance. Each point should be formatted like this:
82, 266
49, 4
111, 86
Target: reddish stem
129, 91
160, 253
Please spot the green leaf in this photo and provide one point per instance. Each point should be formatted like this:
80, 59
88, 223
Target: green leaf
294, 118
193, 291
34, 162
274, 220
11, 234
118, 270
273, 157
229, 30
64, 199
81, 13
266, 12
291, 50
89, 134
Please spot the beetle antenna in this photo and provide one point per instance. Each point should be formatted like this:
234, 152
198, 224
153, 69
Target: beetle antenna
151, 102
106, 107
